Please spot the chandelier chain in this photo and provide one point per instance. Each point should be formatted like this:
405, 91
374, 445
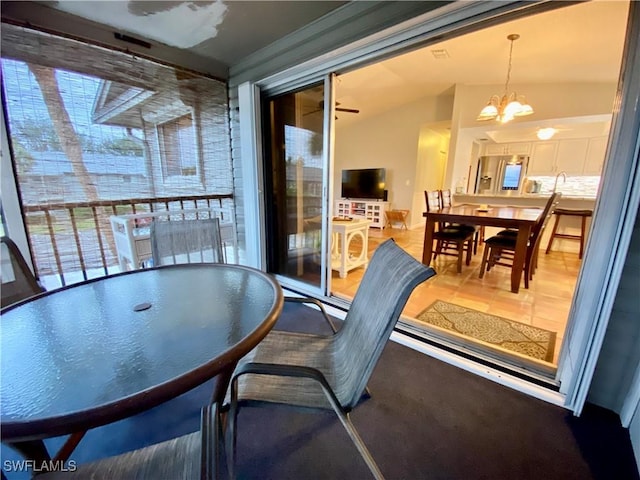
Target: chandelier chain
506, 83
510, 105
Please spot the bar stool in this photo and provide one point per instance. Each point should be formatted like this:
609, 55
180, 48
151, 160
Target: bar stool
559, 212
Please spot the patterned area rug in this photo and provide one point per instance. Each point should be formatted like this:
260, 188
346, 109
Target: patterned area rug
508, 334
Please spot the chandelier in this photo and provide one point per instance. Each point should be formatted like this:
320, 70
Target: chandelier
504, 109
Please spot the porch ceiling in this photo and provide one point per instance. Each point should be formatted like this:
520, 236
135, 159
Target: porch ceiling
218, 33
579, 43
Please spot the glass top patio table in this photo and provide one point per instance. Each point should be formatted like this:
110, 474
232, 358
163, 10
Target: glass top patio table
97, 352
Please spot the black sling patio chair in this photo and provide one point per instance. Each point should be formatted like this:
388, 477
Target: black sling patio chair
189, 457
18, 282
332, 371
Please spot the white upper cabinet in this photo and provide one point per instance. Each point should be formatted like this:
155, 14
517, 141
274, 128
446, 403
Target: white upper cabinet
595, 156
520, 148
543, 159
575, 156
571, 156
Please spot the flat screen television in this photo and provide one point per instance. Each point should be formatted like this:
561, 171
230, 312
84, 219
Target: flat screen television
364, 183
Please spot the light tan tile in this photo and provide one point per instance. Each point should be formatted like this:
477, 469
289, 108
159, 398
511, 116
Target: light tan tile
545, 304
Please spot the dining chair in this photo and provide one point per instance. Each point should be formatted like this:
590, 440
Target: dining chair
432, 199
191, 456
186, 241
446, 201
330, 371
18, 282
449, 239
500, 249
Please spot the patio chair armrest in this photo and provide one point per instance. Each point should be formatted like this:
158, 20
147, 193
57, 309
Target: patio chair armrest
281, 370
318, 304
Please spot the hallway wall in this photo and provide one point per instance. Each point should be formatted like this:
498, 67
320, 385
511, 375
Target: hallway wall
390, 140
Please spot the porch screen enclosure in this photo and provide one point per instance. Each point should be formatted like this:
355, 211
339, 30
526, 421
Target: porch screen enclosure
96, 132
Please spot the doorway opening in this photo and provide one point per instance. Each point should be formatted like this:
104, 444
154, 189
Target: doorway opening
420, 108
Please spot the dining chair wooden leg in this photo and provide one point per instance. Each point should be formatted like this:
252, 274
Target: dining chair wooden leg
438, 249
469, 249
534, 264
485, 257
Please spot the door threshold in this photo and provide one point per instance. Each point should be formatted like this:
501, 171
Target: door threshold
545, 392
534, 372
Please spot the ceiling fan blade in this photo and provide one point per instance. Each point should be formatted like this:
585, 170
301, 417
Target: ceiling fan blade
339, 108
348, 110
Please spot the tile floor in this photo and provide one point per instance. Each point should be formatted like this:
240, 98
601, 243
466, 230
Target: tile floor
545, 304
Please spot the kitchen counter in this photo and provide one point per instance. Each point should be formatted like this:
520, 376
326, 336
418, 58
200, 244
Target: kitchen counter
524, 200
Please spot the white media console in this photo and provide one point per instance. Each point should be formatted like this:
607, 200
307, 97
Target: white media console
371, 210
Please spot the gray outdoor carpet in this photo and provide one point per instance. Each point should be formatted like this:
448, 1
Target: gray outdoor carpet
425, 420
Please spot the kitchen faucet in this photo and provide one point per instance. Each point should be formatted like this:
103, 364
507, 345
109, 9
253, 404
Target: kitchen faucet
564, 179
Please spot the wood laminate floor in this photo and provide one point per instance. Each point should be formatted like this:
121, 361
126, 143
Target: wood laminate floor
545, 304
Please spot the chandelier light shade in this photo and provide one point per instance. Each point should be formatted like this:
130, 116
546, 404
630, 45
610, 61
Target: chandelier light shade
510, 105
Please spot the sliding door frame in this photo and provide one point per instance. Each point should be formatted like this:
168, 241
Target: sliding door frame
328, 125
620, 191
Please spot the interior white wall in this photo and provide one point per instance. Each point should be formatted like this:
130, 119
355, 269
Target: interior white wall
430, 169
400, 140
391, 140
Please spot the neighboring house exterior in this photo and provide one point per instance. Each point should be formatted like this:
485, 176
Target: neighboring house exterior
50, 179
184, 125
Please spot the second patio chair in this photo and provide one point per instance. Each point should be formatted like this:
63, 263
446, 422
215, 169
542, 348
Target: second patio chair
189, 457
18, 282
186, 241
331, 372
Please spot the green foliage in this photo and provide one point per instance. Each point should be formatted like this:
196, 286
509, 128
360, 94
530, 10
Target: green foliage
24, 160
316, 144
121, 146
36, 134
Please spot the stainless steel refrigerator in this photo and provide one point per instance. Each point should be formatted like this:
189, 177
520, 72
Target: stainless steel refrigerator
501, 174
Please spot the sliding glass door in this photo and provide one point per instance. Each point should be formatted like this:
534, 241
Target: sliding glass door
296, 166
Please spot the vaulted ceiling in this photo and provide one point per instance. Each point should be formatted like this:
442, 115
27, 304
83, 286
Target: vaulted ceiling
578, 43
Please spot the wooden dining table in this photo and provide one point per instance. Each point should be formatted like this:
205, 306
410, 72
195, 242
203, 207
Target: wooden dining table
521, 218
